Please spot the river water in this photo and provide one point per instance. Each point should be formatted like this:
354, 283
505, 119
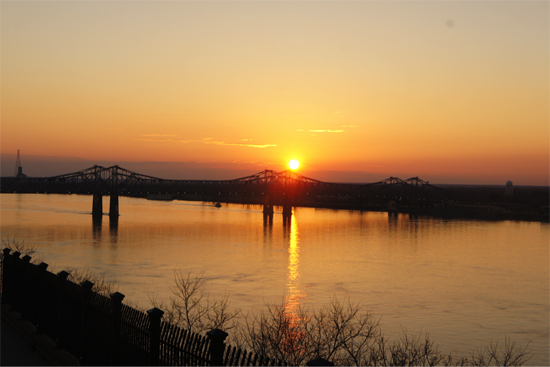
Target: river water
464, 282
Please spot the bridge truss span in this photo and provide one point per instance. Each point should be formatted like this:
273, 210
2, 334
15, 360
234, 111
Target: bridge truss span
277, 188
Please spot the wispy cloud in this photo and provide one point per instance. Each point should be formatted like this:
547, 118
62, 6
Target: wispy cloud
158, 139
157, 135
240, 144
322, 131
255, 163
348, 126
166, 138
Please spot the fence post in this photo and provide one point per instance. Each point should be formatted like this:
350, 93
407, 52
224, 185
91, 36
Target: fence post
86, 287
28, 288
116, 316
217, 346
154, 333
7, 272
319, 362
62, 276
41, 291
16, 285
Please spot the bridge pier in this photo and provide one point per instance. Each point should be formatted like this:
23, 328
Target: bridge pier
287, 216
268, 209
287, 221
97, 205
287, 210
113, 206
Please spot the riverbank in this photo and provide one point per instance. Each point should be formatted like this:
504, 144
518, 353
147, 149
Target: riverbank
449, 210
479, 202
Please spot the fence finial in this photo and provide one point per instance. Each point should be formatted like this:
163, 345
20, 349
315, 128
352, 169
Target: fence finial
116, 320
217, 346
117, 296
86, 285
155, 315
319, 362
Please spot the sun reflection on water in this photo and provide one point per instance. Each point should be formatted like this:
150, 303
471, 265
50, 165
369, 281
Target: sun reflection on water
292, 325
294, 293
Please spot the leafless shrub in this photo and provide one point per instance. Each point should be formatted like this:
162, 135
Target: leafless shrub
15, 244
510, 354
341, 333
408, 350
192, 309
75, 275
338, 332
100, 285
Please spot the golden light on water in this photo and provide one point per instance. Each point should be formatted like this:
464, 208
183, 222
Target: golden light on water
295, 294
293, 253
293, 332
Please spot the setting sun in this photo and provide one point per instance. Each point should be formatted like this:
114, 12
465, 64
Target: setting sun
293, 164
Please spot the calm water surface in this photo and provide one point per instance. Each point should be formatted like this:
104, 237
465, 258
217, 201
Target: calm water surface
464, 282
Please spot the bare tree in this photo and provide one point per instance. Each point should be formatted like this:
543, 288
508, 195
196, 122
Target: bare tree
100, 285
408, 350
345, 335
510, 354
337, 332
16, 244
192, 309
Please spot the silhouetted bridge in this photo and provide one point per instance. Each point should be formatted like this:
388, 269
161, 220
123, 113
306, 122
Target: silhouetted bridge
268, 187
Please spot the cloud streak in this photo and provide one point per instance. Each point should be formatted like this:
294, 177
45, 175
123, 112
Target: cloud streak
241, 145
165, 138
322, 131
156, 135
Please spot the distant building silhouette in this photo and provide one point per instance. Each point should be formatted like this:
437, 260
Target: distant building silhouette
509, 191
18, 168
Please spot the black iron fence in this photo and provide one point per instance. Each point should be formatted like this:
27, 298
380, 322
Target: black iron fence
101, 330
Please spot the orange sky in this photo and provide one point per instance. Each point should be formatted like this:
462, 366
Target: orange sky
451, 91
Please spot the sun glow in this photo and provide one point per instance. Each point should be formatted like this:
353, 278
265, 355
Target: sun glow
293, 164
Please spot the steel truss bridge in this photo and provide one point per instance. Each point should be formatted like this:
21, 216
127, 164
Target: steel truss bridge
267, 187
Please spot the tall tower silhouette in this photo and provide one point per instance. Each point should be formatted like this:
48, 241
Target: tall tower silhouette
18, 168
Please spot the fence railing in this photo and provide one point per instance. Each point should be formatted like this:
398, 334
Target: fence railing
101, 330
